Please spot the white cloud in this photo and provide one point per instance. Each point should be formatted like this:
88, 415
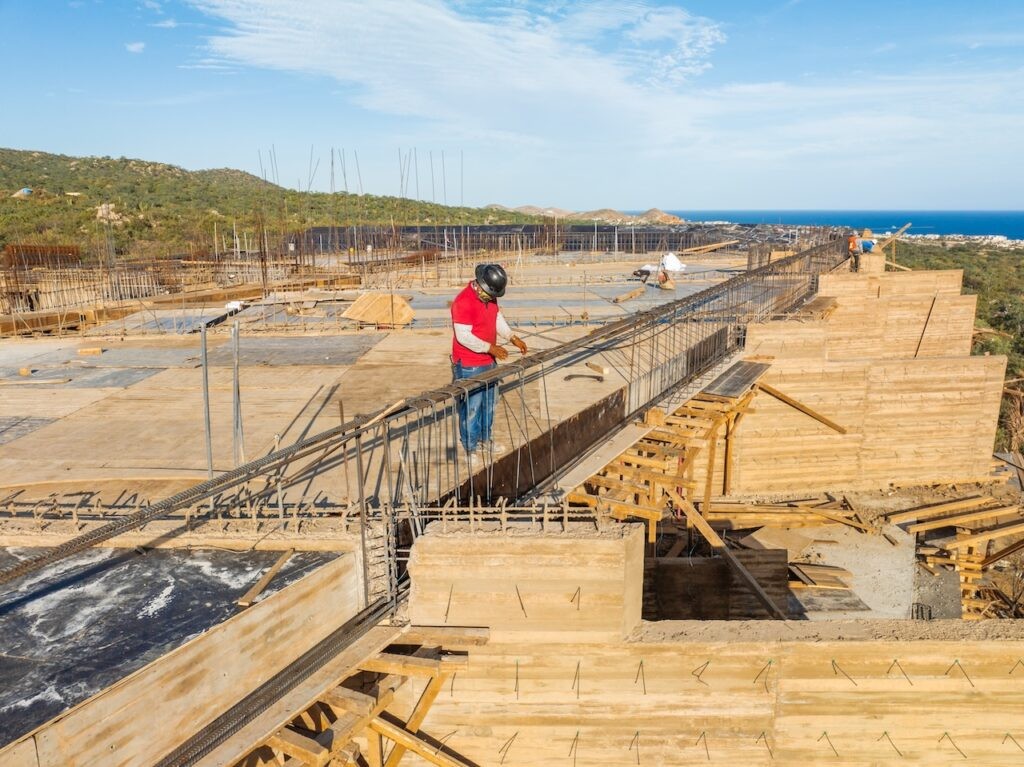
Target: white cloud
165, 24
135, 47
990, 40
584, 86
474, 71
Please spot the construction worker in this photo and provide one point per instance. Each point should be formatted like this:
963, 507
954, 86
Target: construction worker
480, 329
853, 249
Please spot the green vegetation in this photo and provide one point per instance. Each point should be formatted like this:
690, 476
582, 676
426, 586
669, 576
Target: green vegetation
160, 209
997, 277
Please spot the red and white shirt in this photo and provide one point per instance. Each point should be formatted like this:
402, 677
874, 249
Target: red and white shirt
478, 325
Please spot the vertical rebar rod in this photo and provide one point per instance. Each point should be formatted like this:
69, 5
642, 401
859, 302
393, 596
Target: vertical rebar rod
361, 481
238, 435
206, 405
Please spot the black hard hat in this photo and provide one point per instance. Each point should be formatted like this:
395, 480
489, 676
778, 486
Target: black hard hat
492, 279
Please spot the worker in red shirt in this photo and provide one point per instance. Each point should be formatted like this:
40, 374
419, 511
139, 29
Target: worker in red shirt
480, 329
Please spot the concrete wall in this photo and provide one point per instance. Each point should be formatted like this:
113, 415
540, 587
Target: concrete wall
891, 365
544, 690
583, 582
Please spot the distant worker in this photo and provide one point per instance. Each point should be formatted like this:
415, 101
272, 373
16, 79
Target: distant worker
853, 250
853, 246
480, 329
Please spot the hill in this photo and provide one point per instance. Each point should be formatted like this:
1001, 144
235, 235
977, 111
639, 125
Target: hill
602, 216
146, 208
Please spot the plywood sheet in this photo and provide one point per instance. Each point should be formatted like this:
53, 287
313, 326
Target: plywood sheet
917, 282
380, 309
281, 351
528, 582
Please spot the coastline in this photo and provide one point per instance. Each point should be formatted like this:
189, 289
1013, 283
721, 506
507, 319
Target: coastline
1004, 229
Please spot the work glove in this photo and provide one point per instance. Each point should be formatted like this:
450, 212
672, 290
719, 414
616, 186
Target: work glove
519, 343
498, 352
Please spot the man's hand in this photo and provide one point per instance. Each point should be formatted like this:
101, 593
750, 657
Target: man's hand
498, 352
519, 343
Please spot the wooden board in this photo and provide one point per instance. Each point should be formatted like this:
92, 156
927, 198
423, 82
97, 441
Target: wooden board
962, 519
737, 699
791, 542
936, 509
528, 582
380, 309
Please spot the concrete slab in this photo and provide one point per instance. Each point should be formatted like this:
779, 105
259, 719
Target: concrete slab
179, 321
77, 376
280, 351
20, 352
48, 401
12, 427
123, 357
155, 428
323, 314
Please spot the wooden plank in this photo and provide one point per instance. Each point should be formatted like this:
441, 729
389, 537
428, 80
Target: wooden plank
405, 665
727, 459
634, 510
839, 518
374, 749
580, 496
653, 446
299, 746
710, 472
771, 390
792, 542
986, 535
646, 478
447, 636
380, 309
1018, 464
635, 293
696, 419
630, 457
262, 583
923, 512
1013, 548
628, 488
677, 548
417, 745
718, 544
353, 701
418, 715
168, 534
961, 519
301, 698
925, 328
348, 724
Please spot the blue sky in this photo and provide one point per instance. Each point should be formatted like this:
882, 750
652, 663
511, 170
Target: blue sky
693, 105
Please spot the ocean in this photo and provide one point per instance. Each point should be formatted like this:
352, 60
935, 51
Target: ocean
1009, 223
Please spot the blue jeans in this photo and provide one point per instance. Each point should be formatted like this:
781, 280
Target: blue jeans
476, 411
